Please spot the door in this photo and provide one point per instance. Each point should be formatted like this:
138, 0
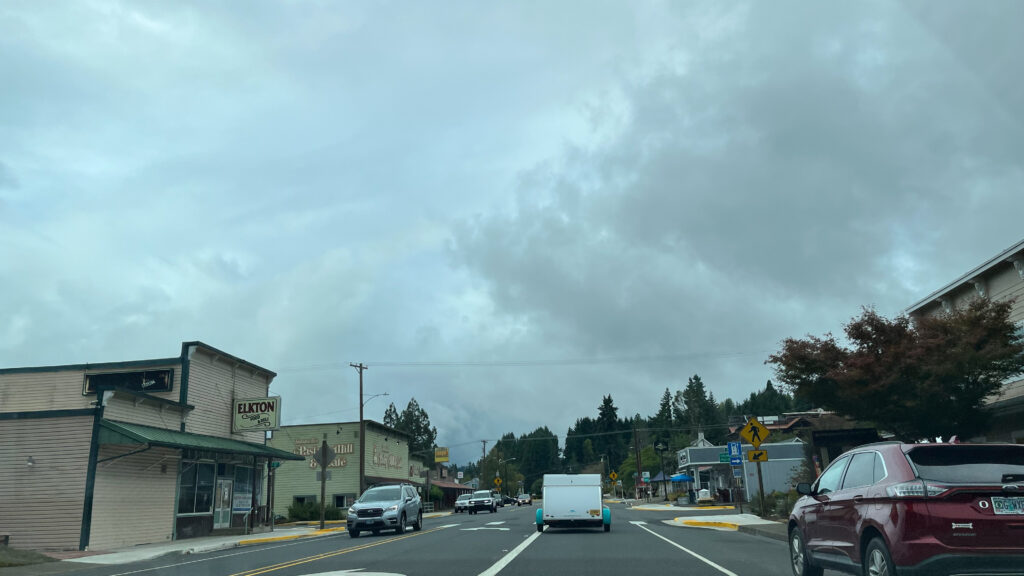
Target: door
222, 504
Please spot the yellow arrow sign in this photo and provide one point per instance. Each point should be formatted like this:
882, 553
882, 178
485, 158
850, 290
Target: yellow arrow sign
754, 432
757, 456
613, 476
497, 481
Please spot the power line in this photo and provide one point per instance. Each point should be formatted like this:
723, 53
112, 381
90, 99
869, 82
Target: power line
324, 366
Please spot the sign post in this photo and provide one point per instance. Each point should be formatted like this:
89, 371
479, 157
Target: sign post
755, 433
324, 457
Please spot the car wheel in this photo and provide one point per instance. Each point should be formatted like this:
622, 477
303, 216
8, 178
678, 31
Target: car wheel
419, 522
353, 533
400, 529
540, 527
877, 561
800, 561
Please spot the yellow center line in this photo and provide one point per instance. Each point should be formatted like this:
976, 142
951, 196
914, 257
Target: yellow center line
325, 555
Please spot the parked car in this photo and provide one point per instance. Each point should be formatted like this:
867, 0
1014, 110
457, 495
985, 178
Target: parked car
498, 500
894, 508
482, 500
391, 506
462, 503
509, 500
525, 499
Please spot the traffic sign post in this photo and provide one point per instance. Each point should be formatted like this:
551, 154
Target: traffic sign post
755, 433
497, 481
734, 454
723, 458
613, 476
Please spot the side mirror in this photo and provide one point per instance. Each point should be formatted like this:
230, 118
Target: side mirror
803, 488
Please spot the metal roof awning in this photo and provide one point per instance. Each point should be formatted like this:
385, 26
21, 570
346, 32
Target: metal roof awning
112, 432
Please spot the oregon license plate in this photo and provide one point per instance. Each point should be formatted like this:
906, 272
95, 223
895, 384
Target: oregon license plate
1011, 505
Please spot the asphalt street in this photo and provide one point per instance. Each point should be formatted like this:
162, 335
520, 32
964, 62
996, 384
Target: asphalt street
505, 542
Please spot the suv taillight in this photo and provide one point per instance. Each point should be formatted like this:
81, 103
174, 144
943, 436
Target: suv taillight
916, 489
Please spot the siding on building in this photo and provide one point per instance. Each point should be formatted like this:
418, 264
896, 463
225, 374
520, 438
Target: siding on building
133, 501
214, 383
41, 506
124, 409
56, 389
387, 456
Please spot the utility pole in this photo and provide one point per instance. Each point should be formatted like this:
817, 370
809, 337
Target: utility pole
362, 429
483, 451
323, 480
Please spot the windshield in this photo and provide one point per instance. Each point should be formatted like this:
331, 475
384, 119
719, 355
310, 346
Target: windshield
960, 464
382, 494
481, 494
464, 497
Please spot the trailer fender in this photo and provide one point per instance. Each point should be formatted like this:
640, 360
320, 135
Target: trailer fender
606, 516
540, 516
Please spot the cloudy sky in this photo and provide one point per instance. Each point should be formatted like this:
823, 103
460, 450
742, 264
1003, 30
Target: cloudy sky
507, 209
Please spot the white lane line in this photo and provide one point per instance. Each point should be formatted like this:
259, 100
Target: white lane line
218, 557
690, 552
495, 523
507, 558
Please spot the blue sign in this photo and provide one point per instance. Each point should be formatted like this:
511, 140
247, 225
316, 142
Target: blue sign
734, 454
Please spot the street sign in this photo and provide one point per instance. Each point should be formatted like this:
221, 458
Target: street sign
323, 456
646, 476
754, 432
723, 457
497, 481
613, 476
737, 472
734, 449
319, 478
459, 475
757, 456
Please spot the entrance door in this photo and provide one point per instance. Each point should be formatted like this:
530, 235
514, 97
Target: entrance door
222, 504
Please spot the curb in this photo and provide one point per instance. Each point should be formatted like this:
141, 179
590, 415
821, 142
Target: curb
762, 530
324, 532
702, 524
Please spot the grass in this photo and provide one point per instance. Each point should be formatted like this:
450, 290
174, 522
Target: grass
15, 557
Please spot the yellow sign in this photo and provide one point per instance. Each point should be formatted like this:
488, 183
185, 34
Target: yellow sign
754, 432
757, 456
613, 476
497, 481
440, 454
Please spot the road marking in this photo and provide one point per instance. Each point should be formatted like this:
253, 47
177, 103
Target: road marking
637, 522
507, 558
495, 523
449, 526
314, 558
687, 550
485, 528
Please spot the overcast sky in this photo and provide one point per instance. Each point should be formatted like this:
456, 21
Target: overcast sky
547, 202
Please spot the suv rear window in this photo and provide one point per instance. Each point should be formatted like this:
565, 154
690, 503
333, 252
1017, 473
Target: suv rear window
957, 464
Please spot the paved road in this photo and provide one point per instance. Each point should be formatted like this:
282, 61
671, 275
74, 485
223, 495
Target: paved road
486, 544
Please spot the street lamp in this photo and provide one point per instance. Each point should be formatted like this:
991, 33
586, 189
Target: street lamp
500, 462
661, 453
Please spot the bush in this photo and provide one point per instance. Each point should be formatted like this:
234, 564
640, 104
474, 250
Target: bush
311, 511
778, 504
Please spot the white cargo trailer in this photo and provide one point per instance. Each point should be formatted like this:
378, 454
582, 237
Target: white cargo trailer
573, 500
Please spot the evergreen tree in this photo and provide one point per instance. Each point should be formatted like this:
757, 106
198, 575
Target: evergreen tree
391, 416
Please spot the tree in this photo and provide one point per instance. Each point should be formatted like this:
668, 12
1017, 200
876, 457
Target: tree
415, 422
918, 378
662, 421
391, 416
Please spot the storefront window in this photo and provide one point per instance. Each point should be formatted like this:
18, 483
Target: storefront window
195, 488
243, 489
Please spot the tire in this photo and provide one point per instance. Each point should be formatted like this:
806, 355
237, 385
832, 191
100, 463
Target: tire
799, 560
540, 527
419, 522
400, 529
877, 561
353, 533
607, 527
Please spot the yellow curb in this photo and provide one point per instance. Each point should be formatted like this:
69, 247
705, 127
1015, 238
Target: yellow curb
717, 507
699, 523
290, 537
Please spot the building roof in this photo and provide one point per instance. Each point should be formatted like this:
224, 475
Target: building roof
114, 432
186, 345
1003, 257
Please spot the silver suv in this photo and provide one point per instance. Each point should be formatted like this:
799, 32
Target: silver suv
388, 507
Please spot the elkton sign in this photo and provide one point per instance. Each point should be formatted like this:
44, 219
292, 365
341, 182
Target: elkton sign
256, 414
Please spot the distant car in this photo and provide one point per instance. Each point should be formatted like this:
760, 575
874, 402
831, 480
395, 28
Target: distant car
387, 507
462, 503
894, 508
525, 499
498, 499
482, 500
510, 500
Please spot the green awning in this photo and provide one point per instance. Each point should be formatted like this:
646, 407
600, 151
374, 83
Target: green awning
112, 432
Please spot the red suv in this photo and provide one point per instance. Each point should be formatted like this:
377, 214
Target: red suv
892, 508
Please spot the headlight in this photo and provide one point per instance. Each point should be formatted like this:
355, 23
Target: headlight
393, 508
352, 511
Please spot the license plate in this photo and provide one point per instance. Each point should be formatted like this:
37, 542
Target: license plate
1014, 505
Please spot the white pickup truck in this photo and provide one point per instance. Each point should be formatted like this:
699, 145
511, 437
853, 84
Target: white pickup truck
573, 500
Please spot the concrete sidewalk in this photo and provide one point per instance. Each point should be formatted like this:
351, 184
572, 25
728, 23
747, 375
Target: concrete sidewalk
72, 561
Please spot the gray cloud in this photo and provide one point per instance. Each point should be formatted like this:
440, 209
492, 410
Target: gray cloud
671, 189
